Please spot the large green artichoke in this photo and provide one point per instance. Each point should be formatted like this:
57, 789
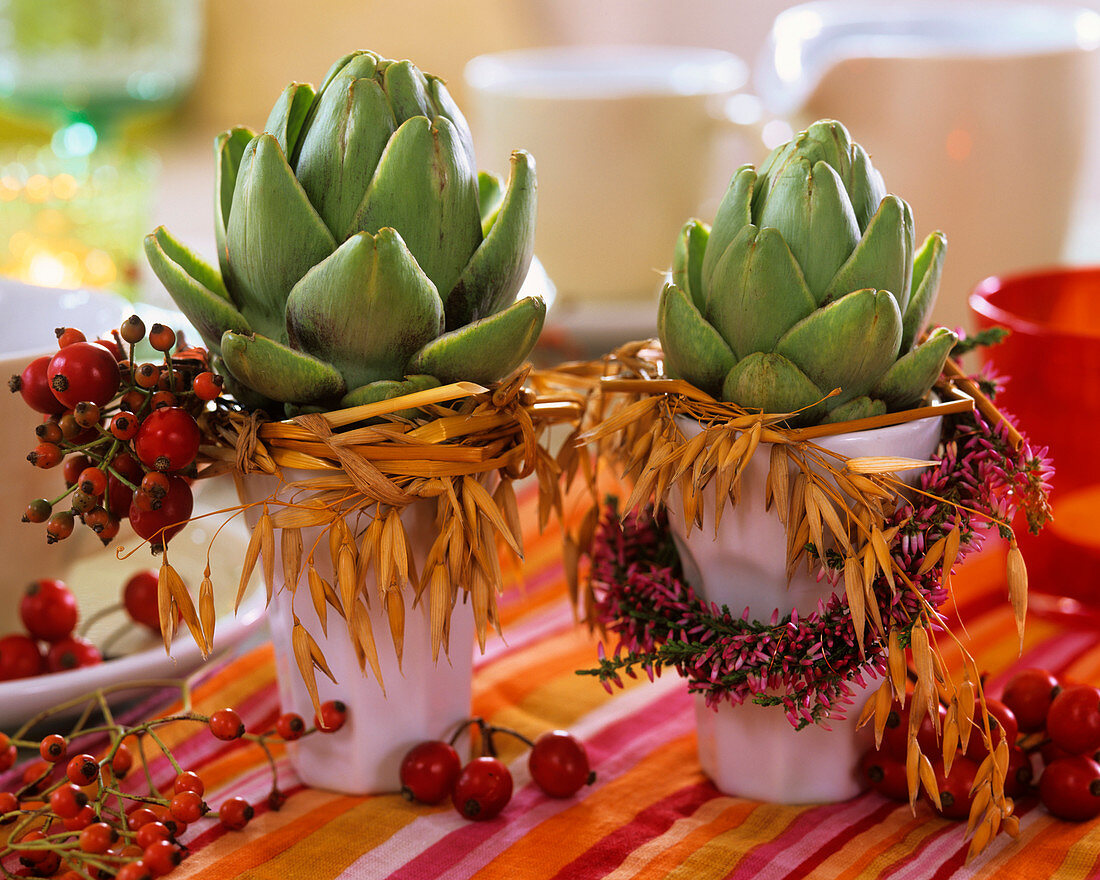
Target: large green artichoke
362, 255
806, 283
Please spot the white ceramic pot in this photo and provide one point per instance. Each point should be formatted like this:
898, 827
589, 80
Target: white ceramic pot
751, 750
422, 700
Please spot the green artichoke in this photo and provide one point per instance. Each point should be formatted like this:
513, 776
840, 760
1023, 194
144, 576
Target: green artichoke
807, 282
362, 256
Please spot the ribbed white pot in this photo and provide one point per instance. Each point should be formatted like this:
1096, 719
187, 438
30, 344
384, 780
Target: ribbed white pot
750, 750
422, 700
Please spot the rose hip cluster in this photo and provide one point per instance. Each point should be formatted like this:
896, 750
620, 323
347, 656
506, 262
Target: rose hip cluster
1054, 731
432, 771
49, 614
51, 642
124, 433
72, 818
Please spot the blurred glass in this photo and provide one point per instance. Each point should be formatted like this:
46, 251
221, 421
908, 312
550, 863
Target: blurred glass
84, 65
73, 211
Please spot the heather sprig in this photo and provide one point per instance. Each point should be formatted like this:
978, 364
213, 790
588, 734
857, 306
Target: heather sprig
805, 663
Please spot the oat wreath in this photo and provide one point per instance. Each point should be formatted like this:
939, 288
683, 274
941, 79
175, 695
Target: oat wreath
460, 447
889, 550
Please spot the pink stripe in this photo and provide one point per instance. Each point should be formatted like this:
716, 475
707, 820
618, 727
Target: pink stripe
614, 751
810, 831
521, 636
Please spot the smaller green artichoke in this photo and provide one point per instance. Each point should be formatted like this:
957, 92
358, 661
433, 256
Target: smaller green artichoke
807, 282
361, 254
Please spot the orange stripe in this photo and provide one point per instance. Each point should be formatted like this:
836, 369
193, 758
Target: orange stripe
266, 836
872, 853
674, 857
564, 837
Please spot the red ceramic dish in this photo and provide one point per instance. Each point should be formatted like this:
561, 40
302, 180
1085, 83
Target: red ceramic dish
1052, 357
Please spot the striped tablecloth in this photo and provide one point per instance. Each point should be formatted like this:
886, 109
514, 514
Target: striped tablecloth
651, 813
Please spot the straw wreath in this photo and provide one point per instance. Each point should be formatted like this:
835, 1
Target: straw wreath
459, 446
892, 565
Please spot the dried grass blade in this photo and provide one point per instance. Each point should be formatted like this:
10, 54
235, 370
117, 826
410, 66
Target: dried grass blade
479, 602
439, 606
779, 480
882, 555
208, 615
951, 550
853, 588
267, 551
397, 543
966, 699
395, 611
181, 598
928, 779
251, 555
896, 660
298, 516
831, 518
346, 578
484, 502
922, 660
912, 773
1017, 588
291, 540
505, 498
884, 464
934, 555
318, 594
364, 638
813, 518
166, 610
299, 640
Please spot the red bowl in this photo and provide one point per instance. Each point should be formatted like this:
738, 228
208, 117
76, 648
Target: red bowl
1051, 359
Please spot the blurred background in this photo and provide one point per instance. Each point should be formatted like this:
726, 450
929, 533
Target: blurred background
638, 112
109, 109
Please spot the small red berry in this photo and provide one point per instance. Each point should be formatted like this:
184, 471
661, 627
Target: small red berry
122, 761
132, 330
48, 610
226, 724
9, 803
67, 801
20, 657
207, 386
139, 596
1070, 788
140, 817
83, 371
34, 385
559, 764
290, 726
235, 813
36, 774
151, 832
134, 871
189, 781
162, 338
81, 820
168, 439
482, 789
53, 748
332, 717
428, 772
66, 336
97, 838
1073, 721
161, 857
187, 806
82, 770
72, 653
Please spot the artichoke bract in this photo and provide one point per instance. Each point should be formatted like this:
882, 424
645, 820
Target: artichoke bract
362, 256
808, 281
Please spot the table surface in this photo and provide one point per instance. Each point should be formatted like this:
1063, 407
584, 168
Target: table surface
651, 812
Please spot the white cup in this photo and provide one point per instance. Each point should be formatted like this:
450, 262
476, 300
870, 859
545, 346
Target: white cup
625, 141
975, 113
26, 332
